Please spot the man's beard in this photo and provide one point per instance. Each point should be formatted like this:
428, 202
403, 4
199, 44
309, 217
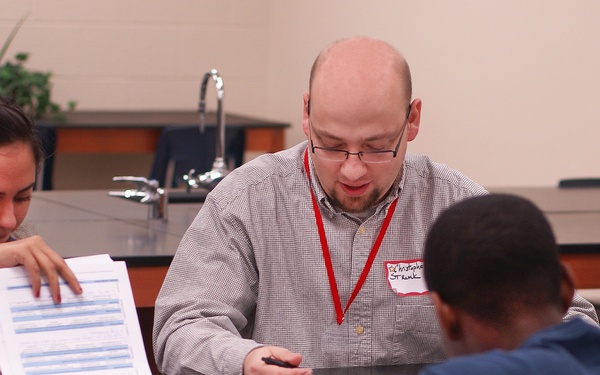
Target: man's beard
356, 204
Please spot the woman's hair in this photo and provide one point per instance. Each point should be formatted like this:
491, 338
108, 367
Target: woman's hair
16, 126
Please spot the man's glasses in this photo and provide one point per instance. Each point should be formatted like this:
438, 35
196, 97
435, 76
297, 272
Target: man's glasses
371, 157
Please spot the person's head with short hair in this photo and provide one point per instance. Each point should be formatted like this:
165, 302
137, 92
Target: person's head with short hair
493, 271
359, 101
20, 157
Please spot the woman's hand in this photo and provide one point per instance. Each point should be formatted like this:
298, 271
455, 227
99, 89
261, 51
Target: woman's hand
39, 260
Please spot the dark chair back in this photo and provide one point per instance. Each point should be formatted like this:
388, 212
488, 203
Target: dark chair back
579, 182
47, 136
181, 148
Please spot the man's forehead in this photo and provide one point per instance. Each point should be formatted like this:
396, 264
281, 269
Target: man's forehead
353, 133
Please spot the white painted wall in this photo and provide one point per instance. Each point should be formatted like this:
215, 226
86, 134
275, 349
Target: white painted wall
145, 54
511, 89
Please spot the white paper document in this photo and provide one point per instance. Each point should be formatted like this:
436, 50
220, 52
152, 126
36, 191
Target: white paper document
94, 333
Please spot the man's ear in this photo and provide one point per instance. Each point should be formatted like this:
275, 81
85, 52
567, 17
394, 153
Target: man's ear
567, 287
414, 119
448, 318
305, 112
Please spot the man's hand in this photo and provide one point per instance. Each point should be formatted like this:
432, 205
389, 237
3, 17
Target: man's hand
254, 364
39, 260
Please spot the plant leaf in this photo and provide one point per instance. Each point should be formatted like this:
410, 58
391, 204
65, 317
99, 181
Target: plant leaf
12, 35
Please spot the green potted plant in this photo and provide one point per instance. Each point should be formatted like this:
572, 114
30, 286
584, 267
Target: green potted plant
30, 89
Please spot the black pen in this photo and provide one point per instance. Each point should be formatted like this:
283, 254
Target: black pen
277, 362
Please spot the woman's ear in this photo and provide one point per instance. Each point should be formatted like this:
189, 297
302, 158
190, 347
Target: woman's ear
414, 118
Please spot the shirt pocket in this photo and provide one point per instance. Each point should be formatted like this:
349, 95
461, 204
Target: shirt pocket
417, 336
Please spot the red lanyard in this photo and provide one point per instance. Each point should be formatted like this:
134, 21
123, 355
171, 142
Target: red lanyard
365, 272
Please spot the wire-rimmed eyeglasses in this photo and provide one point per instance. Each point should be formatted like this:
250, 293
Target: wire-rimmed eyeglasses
371, 157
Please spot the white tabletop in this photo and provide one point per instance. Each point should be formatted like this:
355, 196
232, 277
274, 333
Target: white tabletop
557, 200
574, 213
87, 222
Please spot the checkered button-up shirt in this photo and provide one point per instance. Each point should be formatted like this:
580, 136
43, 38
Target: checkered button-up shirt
250, 272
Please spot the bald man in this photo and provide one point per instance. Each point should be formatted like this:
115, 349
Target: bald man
311, 257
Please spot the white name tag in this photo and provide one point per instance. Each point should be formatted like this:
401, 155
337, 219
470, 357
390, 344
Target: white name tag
406, 277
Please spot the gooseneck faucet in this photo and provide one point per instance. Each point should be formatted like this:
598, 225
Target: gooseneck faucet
219, 169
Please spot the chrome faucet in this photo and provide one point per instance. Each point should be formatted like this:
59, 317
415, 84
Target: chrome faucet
147, 192
219, 169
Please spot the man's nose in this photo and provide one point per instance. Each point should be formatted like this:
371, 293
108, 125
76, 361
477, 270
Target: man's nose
353, 168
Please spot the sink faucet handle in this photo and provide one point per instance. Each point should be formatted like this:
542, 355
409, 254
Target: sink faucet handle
142, 183
147, 192
190, 180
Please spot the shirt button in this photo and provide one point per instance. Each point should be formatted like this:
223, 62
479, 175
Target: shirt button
360, 330
361, 229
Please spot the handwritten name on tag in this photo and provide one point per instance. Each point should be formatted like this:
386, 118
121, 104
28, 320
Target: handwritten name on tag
406, 277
